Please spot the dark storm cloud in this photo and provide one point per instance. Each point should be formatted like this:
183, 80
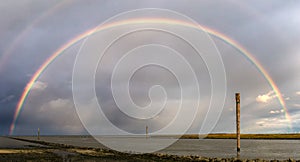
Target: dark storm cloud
7, 107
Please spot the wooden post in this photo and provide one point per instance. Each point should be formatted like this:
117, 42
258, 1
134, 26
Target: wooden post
146, 131
238, 136
38, 134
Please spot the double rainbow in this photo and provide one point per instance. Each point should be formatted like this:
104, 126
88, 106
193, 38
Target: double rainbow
212, 32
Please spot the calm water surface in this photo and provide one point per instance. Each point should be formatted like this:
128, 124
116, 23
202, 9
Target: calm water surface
252, 149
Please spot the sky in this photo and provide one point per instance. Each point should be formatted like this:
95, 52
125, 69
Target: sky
32, 31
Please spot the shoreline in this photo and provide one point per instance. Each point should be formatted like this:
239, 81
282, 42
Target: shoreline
48, 151
294, 136
62, 152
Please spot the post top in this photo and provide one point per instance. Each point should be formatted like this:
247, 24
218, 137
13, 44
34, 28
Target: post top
237, 97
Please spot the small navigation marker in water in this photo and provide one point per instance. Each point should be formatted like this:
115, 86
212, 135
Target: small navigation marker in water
238, 136
146, 131
38, 134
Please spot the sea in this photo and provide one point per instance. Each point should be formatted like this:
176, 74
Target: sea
217, 148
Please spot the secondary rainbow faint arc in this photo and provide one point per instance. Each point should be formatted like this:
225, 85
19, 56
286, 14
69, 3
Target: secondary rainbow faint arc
212, 32
6, 54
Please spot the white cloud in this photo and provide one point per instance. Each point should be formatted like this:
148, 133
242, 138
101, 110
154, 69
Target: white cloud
61, 114
265, 98
38, 85
276, 111
269, 125
297, 105
298, 93
61, 105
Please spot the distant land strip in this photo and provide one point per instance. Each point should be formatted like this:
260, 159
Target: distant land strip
293, 136
243, 136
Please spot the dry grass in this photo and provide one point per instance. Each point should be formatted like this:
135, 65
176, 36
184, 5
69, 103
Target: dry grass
18, 151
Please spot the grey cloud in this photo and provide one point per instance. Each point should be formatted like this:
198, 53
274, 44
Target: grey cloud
7, 99
256, 27
56, 116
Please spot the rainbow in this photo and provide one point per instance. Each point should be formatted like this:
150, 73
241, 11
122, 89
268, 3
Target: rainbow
84, 35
